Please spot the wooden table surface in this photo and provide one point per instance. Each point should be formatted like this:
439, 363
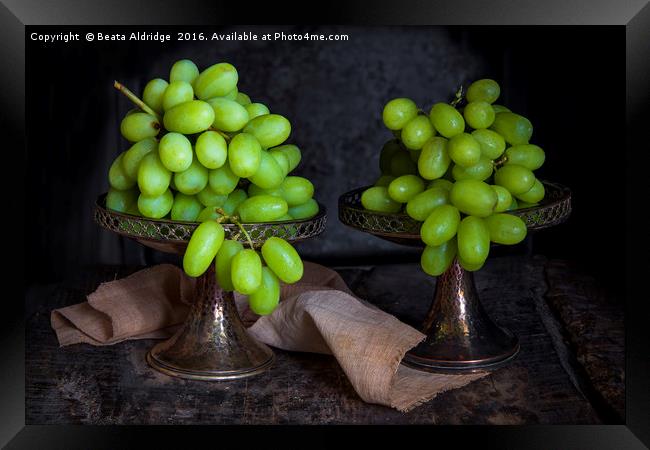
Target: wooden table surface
570, 369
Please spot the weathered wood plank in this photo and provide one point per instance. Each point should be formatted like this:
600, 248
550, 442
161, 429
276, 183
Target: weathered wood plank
113, 385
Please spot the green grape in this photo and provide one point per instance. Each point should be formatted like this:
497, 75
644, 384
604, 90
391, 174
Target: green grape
262, 208
156, 206
377, 199
420, 206
228, 114
208, 197
473, 197
416, 132
211, 149
175, 152
291, 152
246, 271
193, 180
434, 159
479, 114
398, 112
389, 149
208, 213
216, 81
190, 117
467, 266
183, 70
440, 226
138, 126
513, 205
492, 143
117, 176
404, 188
479, 171
176, 93
153, 94
282, 259
304, 211
133, 156
484, 90
473, 240
384, 180
270, 129
235, 198
517, 179
202, 248
223, 263
282, 161
506, 229
254, 190
232, 95
441, 183
535, 194
133, 209
222, 180
499, 108
525, 205
464, 150
186, 208
528, 155
446, 120
266, 298
153, 176
243, 99
402, 164
296, 190
504, 198
269, 174
121, 201
256, 109
244, 155
514, 128
435, 260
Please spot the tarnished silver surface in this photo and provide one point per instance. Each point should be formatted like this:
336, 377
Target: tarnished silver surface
460, 335
212, 343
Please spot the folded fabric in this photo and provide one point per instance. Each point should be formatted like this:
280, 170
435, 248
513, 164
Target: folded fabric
319, 315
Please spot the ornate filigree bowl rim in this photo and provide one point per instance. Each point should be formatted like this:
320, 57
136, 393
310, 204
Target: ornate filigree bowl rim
314, 225
556, 205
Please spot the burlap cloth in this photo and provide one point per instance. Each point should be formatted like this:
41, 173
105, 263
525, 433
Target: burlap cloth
319, 314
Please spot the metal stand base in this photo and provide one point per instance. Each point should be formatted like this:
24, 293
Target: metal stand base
460, 335
213, 343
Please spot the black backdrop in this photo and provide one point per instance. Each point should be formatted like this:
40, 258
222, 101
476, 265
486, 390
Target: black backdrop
568, 80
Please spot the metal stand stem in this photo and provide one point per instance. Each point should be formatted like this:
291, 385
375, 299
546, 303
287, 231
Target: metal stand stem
212, 344
460, 335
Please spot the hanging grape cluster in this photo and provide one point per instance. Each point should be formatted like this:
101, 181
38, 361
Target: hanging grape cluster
202, 151
458, 170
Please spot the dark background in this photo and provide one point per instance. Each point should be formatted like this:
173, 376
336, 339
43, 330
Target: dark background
569, 81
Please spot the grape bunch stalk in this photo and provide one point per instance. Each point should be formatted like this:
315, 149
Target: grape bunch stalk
458, 170
202, 151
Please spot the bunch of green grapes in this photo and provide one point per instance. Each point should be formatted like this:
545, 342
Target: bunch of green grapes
458, 170
201, 151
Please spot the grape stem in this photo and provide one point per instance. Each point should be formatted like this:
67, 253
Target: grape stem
236, 221
136, 100
225, 136
459, 96
501, 161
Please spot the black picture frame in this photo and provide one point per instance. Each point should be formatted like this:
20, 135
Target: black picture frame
15, 15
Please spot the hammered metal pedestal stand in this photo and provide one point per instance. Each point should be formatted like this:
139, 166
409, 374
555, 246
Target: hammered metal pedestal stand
461, 337
212, 343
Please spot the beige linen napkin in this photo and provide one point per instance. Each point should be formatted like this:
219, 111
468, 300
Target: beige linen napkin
319, 315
